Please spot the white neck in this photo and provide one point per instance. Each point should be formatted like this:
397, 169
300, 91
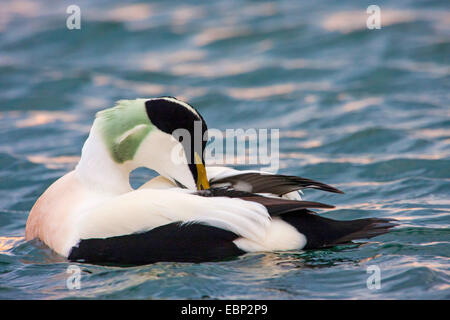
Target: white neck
98, 171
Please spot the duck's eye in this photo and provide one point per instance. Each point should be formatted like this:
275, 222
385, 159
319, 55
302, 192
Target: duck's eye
180, 139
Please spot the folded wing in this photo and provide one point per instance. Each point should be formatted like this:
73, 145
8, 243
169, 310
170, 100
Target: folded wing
146, 209
260, 182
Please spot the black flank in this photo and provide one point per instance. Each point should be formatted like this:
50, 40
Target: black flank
173, 242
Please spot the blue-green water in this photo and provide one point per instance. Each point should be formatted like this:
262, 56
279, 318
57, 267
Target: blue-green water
365, 110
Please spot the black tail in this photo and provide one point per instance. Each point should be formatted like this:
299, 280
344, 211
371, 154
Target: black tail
323, 232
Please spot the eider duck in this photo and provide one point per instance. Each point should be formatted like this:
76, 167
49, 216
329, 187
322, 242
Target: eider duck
190, 213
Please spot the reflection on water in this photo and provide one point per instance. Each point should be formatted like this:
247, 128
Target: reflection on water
54, 162
39, 118
7, 243
260, 93
127, 13
349, 21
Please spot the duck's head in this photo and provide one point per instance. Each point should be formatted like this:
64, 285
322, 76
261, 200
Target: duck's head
163, 134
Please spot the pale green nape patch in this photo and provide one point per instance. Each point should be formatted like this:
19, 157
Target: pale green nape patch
123, 128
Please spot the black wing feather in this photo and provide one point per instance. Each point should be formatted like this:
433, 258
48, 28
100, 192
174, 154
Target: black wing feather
275, 206
273, 183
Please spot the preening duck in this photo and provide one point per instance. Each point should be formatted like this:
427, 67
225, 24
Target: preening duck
190, 213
